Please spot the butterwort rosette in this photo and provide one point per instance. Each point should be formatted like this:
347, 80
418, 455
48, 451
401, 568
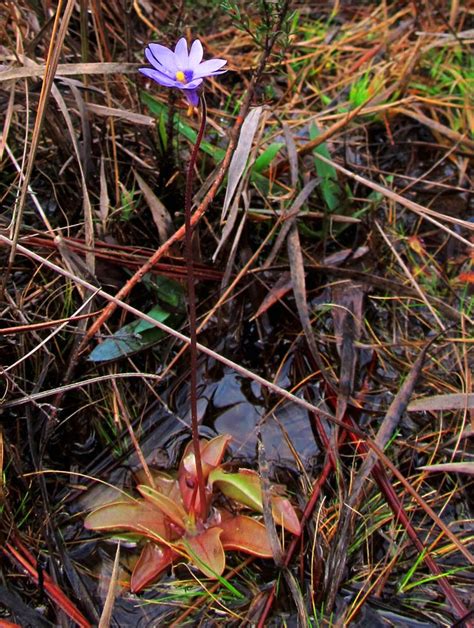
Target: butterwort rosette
182, 69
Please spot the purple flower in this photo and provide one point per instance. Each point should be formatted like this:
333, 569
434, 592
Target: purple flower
180, 69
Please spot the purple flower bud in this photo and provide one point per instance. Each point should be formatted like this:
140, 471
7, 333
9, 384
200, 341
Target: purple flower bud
181, 69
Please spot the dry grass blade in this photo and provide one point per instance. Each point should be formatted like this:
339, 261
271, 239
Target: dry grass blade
69, 69
267, 507
129, 116
32, 195
429, 214
450, 467
43, 343
390, 423
454, 136
59, 27
289, 218
106, 616
86, 202
336, 564
412, 280
44, 394
295, 590
104, 200
7, 122
345, 524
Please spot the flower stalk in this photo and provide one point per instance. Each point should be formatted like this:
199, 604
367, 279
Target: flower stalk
185, 70
188, 201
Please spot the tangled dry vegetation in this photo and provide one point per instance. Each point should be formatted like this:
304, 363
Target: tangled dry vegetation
334, 299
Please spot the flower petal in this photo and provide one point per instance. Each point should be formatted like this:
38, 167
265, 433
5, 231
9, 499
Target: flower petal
208, 68
161, 58
195, 54
192, 97
191, 85
159, 77
181, 54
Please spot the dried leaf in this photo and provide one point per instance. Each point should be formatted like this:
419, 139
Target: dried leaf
339, 257
230, 224
277, 292
104, 201
290, 217
299, 288
347, 316
292, 154
451, 467
240, 156
161, 216
455, 401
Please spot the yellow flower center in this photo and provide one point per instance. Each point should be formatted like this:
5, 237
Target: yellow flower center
180, 76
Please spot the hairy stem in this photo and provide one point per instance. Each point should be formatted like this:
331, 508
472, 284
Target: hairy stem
188, 200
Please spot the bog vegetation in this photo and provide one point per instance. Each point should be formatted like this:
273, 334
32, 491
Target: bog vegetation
236, 333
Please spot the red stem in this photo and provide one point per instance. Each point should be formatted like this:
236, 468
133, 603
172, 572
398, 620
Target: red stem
27, 561
188, 199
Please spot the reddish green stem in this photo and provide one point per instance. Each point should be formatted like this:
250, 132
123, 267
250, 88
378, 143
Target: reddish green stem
188, 200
